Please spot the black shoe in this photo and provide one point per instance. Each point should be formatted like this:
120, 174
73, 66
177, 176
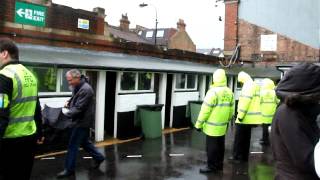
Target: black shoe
65, 173
209, 170
96, 164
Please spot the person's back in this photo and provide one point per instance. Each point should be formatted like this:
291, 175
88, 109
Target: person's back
20, 114
294, 130
214, 116
249, 102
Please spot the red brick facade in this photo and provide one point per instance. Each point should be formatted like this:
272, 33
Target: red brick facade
239, 31
288, 50
59, 17
61, 30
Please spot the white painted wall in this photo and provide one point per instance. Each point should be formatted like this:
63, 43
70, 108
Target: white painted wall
55, 102
100, 106
129, 102
162, 95
182, 98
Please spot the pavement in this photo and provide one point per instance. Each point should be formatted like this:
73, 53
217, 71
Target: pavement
174, 156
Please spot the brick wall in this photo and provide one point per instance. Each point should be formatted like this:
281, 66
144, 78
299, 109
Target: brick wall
59, 17
230, 32
181, 40
288, 50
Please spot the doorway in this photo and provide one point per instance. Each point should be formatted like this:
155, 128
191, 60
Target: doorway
168, 100
110, 103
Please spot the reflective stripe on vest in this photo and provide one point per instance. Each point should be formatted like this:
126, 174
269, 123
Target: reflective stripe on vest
217, 124
23, 102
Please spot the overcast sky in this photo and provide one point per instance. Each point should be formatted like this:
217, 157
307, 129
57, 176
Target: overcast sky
201, 16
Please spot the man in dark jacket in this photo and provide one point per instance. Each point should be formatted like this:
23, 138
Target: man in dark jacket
294, 129
81, 110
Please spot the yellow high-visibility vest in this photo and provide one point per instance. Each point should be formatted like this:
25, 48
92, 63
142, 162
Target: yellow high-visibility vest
23, 102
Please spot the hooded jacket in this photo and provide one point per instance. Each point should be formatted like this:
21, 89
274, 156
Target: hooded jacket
217, 108
268, 100
249, 101
294, 130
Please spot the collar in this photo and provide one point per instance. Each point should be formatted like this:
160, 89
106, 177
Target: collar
9, 63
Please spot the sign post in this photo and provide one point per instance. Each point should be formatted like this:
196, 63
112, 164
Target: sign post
30, 14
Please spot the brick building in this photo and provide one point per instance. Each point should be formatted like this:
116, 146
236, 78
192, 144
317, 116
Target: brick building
54, 38
272, 32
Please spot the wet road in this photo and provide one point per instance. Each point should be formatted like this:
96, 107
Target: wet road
175, 156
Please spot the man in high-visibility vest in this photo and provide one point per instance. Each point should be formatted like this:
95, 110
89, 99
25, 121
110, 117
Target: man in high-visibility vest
20, 114
216, 111
268, 102
248, 114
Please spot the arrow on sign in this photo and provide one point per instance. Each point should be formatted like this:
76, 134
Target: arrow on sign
20, 12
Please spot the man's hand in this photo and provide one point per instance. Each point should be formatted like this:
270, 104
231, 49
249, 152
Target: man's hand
65, 111
40, 140
66, 104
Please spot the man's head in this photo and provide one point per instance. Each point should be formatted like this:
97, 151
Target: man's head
219, 78
243, 77
8, 51
73, 77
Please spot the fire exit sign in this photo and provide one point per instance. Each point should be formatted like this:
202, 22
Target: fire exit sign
31, 14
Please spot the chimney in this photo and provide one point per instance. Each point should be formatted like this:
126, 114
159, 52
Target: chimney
100, 20
181, 26
124, 23
100, 11
231, 26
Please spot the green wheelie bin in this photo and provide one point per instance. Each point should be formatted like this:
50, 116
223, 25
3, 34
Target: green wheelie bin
149, 116
194, 108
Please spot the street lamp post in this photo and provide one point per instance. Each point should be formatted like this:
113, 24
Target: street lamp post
156, 29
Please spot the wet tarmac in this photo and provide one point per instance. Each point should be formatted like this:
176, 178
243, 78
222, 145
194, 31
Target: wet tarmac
175, 156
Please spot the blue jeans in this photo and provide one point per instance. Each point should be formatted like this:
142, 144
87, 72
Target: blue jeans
80, 137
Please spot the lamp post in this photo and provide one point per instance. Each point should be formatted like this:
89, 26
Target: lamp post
156, 29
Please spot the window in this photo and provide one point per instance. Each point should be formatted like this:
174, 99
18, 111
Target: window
180, 81
144, 81
149, 34
160, 33
136, 81
128, 81
186, 82
51, 80
47, 78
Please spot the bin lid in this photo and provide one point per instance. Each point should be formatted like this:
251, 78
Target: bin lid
152, 107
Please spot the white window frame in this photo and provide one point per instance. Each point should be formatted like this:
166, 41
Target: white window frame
186, 83
149, 34
137, 83
160, 33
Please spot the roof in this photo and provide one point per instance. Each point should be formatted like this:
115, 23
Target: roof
212, 52
36, 55
163, 40
126, 35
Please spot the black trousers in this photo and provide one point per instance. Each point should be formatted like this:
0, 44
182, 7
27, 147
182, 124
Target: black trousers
215, 151
16, 158
241, 145
265, 133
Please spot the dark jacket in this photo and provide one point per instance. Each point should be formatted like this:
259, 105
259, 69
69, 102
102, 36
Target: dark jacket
294, 129
81, 105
